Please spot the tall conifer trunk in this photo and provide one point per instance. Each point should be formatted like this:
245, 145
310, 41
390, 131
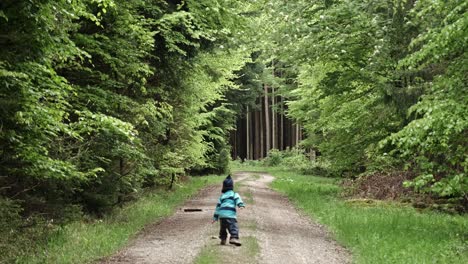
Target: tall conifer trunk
267, 120
297, 134
247, 133
273, 112
262, 132
273, 119
257, 135
282, 125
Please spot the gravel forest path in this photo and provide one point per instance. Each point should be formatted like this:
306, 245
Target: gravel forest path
282, 234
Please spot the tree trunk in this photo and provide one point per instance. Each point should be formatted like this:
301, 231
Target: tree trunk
297, 134
293, 134
282, 124
300, 133
257, 135
247, 134
262, 132
267, 120
232, 139
251, 135
236, 140
273, 118
172, 181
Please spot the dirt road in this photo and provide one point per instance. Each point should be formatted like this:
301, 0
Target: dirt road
282, 234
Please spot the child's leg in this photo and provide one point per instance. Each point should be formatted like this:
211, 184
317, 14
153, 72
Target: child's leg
234, 231
233, 227
222, 230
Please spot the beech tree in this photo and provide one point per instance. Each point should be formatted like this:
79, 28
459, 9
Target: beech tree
377, 85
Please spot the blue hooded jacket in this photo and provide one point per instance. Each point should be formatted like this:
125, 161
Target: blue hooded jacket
229, 200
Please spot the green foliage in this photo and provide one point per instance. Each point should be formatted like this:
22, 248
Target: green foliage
296, 159
91, 239
273, 158
434, 142
20, 236
339, 92
377, 85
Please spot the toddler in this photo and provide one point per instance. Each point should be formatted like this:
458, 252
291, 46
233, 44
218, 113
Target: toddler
226, 212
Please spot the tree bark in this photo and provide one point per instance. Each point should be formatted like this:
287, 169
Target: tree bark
273, 118
257, 135
297, 134
267, 120
282, 124
262, 132
232, 140
292, 135
251, 135
247, 134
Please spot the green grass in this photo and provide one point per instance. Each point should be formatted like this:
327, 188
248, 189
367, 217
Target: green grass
247, 197
209, 255
214, 253
251, 225
253, 166
252, 247
379, 233
82, 242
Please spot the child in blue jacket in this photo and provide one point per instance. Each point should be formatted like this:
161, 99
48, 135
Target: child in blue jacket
226, 212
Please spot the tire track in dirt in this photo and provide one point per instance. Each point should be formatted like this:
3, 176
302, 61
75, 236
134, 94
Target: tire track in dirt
287, 236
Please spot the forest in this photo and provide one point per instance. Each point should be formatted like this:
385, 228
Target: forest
102, 101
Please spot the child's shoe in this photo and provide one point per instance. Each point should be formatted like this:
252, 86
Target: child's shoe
223, 242
235, 241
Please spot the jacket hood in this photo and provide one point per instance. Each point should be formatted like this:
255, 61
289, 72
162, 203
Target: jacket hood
228, 184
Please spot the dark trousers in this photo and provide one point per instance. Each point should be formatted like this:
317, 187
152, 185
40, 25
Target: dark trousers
228, 224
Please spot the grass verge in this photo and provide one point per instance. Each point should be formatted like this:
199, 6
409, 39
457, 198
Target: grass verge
247, 196
247, 253
378, 233
82, 242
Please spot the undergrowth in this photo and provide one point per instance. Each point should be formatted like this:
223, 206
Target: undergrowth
85, 241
